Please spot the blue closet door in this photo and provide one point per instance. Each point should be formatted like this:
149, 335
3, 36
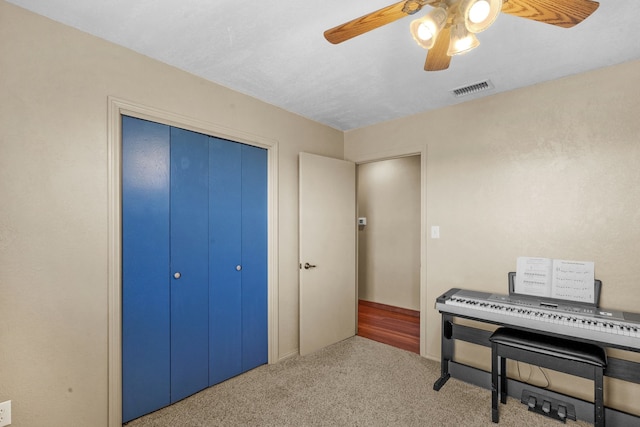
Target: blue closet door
194, 279
145, 267
225, 199
189, 263
165, 221
238, 259
254, 257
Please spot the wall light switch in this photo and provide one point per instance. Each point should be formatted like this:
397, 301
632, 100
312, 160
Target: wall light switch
435, 231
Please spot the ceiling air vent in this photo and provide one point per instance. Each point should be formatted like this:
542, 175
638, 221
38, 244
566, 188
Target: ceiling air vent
474, 88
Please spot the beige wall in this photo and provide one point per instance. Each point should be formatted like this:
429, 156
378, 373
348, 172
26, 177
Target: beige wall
552, 170
389, 245
54, 84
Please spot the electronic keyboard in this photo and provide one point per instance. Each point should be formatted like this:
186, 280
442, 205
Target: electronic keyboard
611, 328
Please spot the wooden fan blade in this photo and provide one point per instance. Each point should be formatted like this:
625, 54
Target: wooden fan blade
563, 13
437, 58
368, 22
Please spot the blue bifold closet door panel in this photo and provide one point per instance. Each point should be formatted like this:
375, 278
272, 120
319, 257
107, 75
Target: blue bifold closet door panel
238, 259
254, 257
145, 267
225, 282
194, 257
189, 263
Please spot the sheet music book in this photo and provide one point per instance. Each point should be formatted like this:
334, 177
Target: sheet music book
554, 278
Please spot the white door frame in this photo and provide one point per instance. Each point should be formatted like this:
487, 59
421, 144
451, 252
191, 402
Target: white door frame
116, 109
394, 154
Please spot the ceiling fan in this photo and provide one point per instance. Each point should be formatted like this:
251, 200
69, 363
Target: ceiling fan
450, 27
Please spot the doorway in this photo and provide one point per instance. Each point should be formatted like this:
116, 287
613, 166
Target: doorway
389, 251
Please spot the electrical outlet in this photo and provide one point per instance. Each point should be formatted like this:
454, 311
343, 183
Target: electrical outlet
5, 413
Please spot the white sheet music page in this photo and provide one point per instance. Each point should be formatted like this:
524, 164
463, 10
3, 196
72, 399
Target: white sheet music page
533, 276
573, 280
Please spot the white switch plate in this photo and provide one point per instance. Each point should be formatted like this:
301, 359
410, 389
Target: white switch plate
435, 231
5, 413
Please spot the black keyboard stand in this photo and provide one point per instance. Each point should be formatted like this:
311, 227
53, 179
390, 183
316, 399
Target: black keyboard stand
447, 351
622, 369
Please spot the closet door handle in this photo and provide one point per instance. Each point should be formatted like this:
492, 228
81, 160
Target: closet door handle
238, 267
308, 266
177, 275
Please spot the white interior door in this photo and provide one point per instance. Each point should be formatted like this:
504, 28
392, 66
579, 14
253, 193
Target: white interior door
327, 251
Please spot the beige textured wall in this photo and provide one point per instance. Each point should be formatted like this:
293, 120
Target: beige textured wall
552, 170
54, 84
389, 245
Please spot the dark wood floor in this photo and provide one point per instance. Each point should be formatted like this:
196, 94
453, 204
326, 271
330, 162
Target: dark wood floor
399, 327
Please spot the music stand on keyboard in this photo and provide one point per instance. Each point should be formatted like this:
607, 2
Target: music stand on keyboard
513, 293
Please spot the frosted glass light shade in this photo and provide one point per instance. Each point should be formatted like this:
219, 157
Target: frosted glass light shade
480, 14
462, 41
426, 29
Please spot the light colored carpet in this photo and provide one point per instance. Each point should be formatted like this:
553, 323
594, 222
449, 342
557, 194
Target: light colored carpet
357, 382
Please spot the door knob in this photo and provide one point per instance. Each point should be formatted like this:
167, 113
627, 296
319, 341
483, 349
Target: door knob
308, 266
177, 275
238, 267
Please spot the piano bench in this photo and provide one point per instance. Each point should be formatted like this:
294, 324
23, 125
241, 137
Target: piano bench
564, 355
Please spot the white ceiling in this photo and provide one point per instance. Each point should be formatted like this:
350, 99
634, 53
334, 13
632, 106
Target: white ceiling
275, 51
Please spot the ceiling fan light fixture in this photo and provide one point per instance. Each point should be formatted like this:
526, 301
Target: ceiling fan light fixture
480, 14
462, 41
425, 30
